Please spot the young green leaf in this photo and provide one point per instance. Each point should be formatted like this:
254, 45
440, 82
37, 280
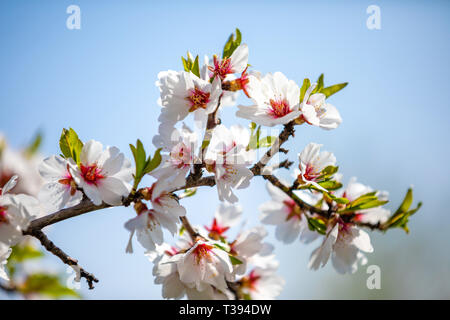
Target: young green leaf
318, 225
330, 185
401, 216
70, 145
329, 91
305, 86
320, 84
153, 163
234, 260
48, 285
232, 43
34, 145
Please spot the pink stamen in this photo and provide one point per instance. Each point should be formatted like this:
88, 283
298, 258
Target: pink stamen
251, 280
201, 251
91, 174
3, 217
221, 68
216, 231
198, 99
310, 173
279, 108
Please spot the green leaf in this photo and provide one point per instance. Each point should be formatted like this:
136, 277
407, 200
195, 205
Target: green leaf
234, 260
232, 43
48, 285
406, 203
330, 185
220, 247
70, 145
247, 296
304, 88
327, 173
367, 197
188, 193
143, 164
34, 145
337, 199
186, 64
329, 91
195, 68
153, 163
267, 141
318, 225
190, 65
21, 253
320, 84
401, 216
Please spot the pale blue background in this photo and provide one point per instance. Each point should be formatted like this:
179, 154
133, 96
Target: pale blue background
100, 81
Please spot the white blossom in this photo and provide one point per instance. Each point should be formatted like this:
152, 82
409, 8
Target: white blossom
181, 147
148, 224
316, 111
373, 216
16, 213
228, 159
5, 251
345, 243
276, 100
225, 217
287, 216
262, 284
104, 175
236, 63
312, 162
14, 162
183, 92
203, 265
60, 189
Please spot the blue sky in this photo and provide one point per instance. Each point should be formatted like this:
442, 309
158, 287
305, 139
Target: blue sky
100, 81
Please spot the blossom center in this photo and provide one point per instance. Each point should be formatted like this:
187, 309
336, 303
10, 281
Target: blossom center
172, 251
180, 156
216, 231
310, 173
250, 281
91, 174
221, 67
3, 217
293, 210
69, 182
279, 107
197, 99
201, 251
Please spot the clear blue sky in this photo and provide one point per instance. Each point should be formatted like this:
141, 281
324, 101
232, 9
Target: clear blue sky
100, 81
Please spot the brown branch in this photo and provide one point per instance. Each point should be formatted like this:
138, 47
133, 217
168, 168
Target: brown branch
195, 236
83, 207
288, 131
8, 288
51, 247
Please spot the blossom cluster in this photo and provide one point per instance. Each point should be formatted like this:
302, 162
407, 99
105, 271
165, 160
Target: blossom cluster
207, 262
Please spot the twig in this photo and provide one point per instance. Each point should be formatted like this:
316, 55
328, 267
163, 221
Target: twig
288, 131
51, 247
8, 288
195, 236
84, 206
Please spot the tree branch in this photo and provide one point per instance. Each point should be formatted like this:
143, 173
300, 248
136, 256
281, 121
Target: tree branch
83, 207
51, 247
